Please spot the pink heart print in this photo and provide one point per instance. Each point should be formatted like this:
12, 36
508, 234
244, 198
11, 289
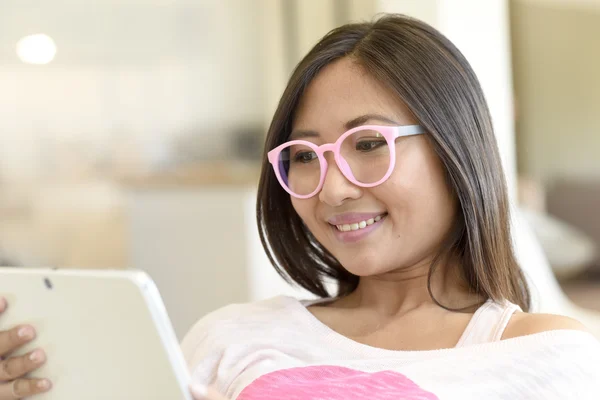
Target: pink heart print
333, 383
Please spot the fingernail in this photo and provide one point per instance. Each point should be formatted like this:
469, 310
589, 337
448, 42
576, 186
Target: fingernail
2, 303
43, 384
199, 390
36, 356
25, 333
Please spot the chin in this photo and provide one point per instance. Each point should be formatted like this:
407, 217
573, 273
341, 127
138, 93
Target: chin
362, 267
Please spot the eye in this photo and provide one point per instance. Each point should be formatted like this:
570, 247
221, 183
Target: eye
366, 145
305, 156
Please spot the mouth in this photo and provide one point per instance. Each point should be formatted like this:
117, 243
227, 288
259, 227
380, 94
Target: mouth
359, 225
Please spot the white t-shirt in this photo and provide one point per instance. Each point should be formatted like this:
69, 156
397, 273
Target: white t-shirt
277, 350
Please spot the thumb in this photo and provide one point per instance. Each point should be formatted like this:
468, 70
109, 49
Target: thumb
201, 392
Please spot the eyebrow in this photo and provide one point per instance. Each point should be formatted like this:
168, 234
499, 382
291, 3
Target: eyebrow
353, 123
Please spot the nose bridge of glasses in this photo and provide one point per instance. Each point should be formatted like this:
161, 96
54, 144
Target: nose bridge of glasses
343, 170
327, 147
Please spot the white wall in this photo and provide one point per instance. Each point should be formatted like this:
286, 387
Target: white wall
130, 73
193, 243
557, 59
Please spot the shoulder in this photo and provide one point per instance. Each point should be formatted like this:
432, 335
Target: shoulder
523, 324
231, 324
223, 336
559, 351
239, 312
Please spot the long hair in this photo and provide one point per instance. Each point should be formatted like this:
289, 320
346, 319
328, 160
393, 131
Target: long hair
429, 74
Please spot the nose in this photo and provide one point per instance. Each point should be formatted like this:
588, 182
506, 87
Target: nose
336, 188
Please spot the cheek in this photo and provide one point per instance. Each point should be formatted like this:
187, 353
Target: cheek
437, 198
306, 210
420, 180
421, 206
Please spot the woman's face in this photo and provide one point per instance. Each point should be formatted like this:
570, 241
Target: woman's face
416, 207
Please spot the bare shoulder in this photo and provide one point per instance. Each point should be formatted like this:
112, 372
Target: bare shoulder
522, 324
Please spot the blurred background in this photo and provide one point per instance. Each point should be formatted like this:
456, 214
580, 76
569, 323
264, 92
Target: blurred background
131, 130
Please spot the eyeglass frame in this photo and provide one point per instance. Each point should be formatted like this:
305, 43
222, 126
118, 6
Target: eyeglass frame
390, 133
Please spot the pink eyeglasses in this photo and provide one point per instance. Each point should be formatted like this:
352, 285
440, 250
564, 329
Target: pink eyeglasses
366, 155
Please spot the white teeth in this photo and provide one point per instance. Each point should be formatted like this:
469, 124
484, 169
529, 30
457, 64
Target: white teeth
358, 225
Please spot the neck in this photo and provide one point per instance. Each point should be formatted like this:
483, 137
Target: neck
402, 290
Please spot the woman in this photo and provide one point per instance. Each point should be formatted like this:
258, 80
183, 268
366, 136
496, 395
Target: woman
383, 177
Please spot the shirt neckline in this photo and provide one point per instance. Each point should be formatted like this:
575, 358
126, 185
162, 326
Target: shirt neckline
331, 337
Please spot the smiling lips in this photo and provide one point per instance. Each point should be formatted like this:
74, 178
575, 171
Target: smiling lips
354, 221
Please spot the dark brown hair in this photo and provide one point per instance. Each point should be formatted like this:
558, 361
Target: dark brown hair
430, 75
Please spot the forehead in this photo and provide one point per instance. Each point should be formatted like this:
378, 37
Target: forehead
343, 91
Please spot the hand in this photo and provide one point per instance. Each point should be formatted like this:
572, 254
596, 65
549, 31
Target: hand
13, 384
200, 392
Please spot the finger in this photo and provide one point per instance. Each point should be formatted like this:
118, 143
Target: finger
23, 388
201, 392
3, 304
15, 367
14, 338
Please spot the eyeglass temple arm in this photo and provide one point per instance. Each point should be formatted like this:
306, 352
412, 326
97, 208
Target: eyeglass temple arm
408, 130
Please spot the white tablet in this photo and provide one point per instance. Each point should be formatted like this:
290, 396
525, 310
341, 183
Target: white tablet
106, 333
